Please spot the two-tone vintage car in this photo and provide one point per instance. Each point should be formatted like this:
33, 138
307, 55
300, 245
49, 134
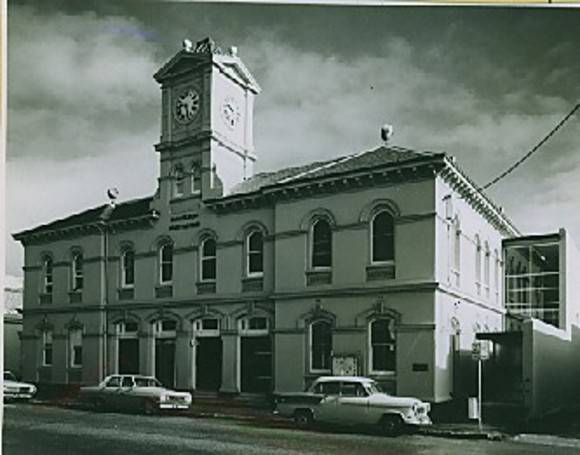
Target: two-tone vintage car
352, 400
16, 390
127, 392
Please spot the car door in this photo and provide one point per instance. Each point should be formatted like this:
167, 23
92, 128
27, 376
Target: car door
126, 399
326, 409
352, 404
110, 391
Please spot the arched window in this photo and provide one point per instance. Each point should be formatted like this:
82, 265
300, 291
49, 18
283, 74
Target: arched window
255, 253
46, 348
128, 269
383, 346
77, 272
320, 346
208, 260
47, 275
179, 182
76, 348
166, 263
478, 264
321, 244
382, 237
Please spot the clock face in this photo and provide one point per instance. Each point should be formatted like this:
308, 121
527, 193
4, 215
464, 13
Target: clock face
230, 113
187, 106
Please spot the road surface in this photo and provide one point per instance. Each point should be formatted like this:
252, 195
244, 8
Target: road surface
36, 429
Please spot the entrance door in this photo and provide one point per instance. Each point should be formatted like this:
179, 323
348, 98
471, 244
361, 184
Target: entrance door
256, 364
208, 363
128, 356
165, 361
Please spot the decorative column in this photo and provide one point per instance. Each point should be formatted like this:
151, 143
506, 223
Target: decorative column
146, 353
183, 361
230, 363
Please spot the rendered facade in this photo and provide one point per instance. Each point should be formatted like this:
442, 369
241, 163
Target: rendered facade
385, 262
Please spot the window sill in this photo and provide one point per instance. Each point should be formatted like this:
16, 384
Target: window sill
45, 298
75, 296
315, 277
164, 291
126, 293
383, 271
253, 284
206, 287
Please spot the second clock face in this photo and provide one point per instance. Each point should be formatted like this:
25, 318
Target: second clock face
230, 113
187, 105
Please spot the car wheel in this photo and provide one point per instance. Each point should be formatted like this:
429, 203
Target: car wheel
391, 425
150, 407
303, 417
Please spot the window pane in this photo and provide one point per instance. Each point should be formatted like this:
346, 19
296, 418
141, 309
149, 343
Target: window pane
209, 324
167, 325
321, 345
130, 327
383, 345
129, 268
209, 248
321, 244
256, 264
258, 324
208, 269
383, 237
330, 388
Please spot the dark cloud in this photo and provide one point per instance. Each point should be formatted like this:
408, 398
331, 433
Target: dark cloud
484, 84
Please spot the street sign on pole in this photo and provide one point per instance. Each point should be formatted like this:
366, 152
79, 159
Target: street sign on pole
480, 351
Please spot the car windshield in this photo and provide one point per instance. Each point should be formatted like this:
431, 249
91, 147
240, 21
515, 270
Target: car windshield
9, 376
373, 387
147, 382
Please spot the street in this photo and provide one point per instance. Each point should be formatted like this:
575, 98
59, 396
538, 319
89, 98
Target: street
37, 429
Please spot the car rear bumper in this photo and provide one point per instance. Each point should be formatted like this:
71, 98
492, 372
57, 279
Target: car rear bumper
18, 396
173, 406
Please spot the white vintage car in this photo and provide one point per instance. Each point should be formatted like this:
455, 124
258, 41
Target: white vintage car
16, 390
352, 400
127, 392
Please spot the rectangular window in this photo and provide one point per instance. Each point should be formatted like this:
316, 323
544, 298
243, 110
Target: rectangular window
76, 348
208, 260
255, 245
47, 349
77, 272
48, 277
321, 346
383, 346
128, 269
166, 263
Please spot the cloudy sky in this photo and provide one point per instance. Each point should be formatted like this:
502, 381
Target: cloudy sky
482, 84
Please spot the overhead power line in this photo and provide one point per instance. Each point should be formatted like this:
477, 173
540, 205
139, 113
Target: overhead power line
513, 167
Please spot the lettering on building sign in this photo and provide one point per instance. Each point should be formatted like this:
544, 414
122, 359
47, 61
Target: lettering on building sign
420, 367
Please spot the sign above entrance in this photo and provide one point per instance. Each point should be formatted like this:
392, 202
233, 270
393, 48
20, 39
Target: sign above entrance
481, 350
345, 365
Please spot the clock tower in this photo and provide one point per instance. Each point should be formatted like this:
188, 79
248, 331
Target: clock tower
206, 145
